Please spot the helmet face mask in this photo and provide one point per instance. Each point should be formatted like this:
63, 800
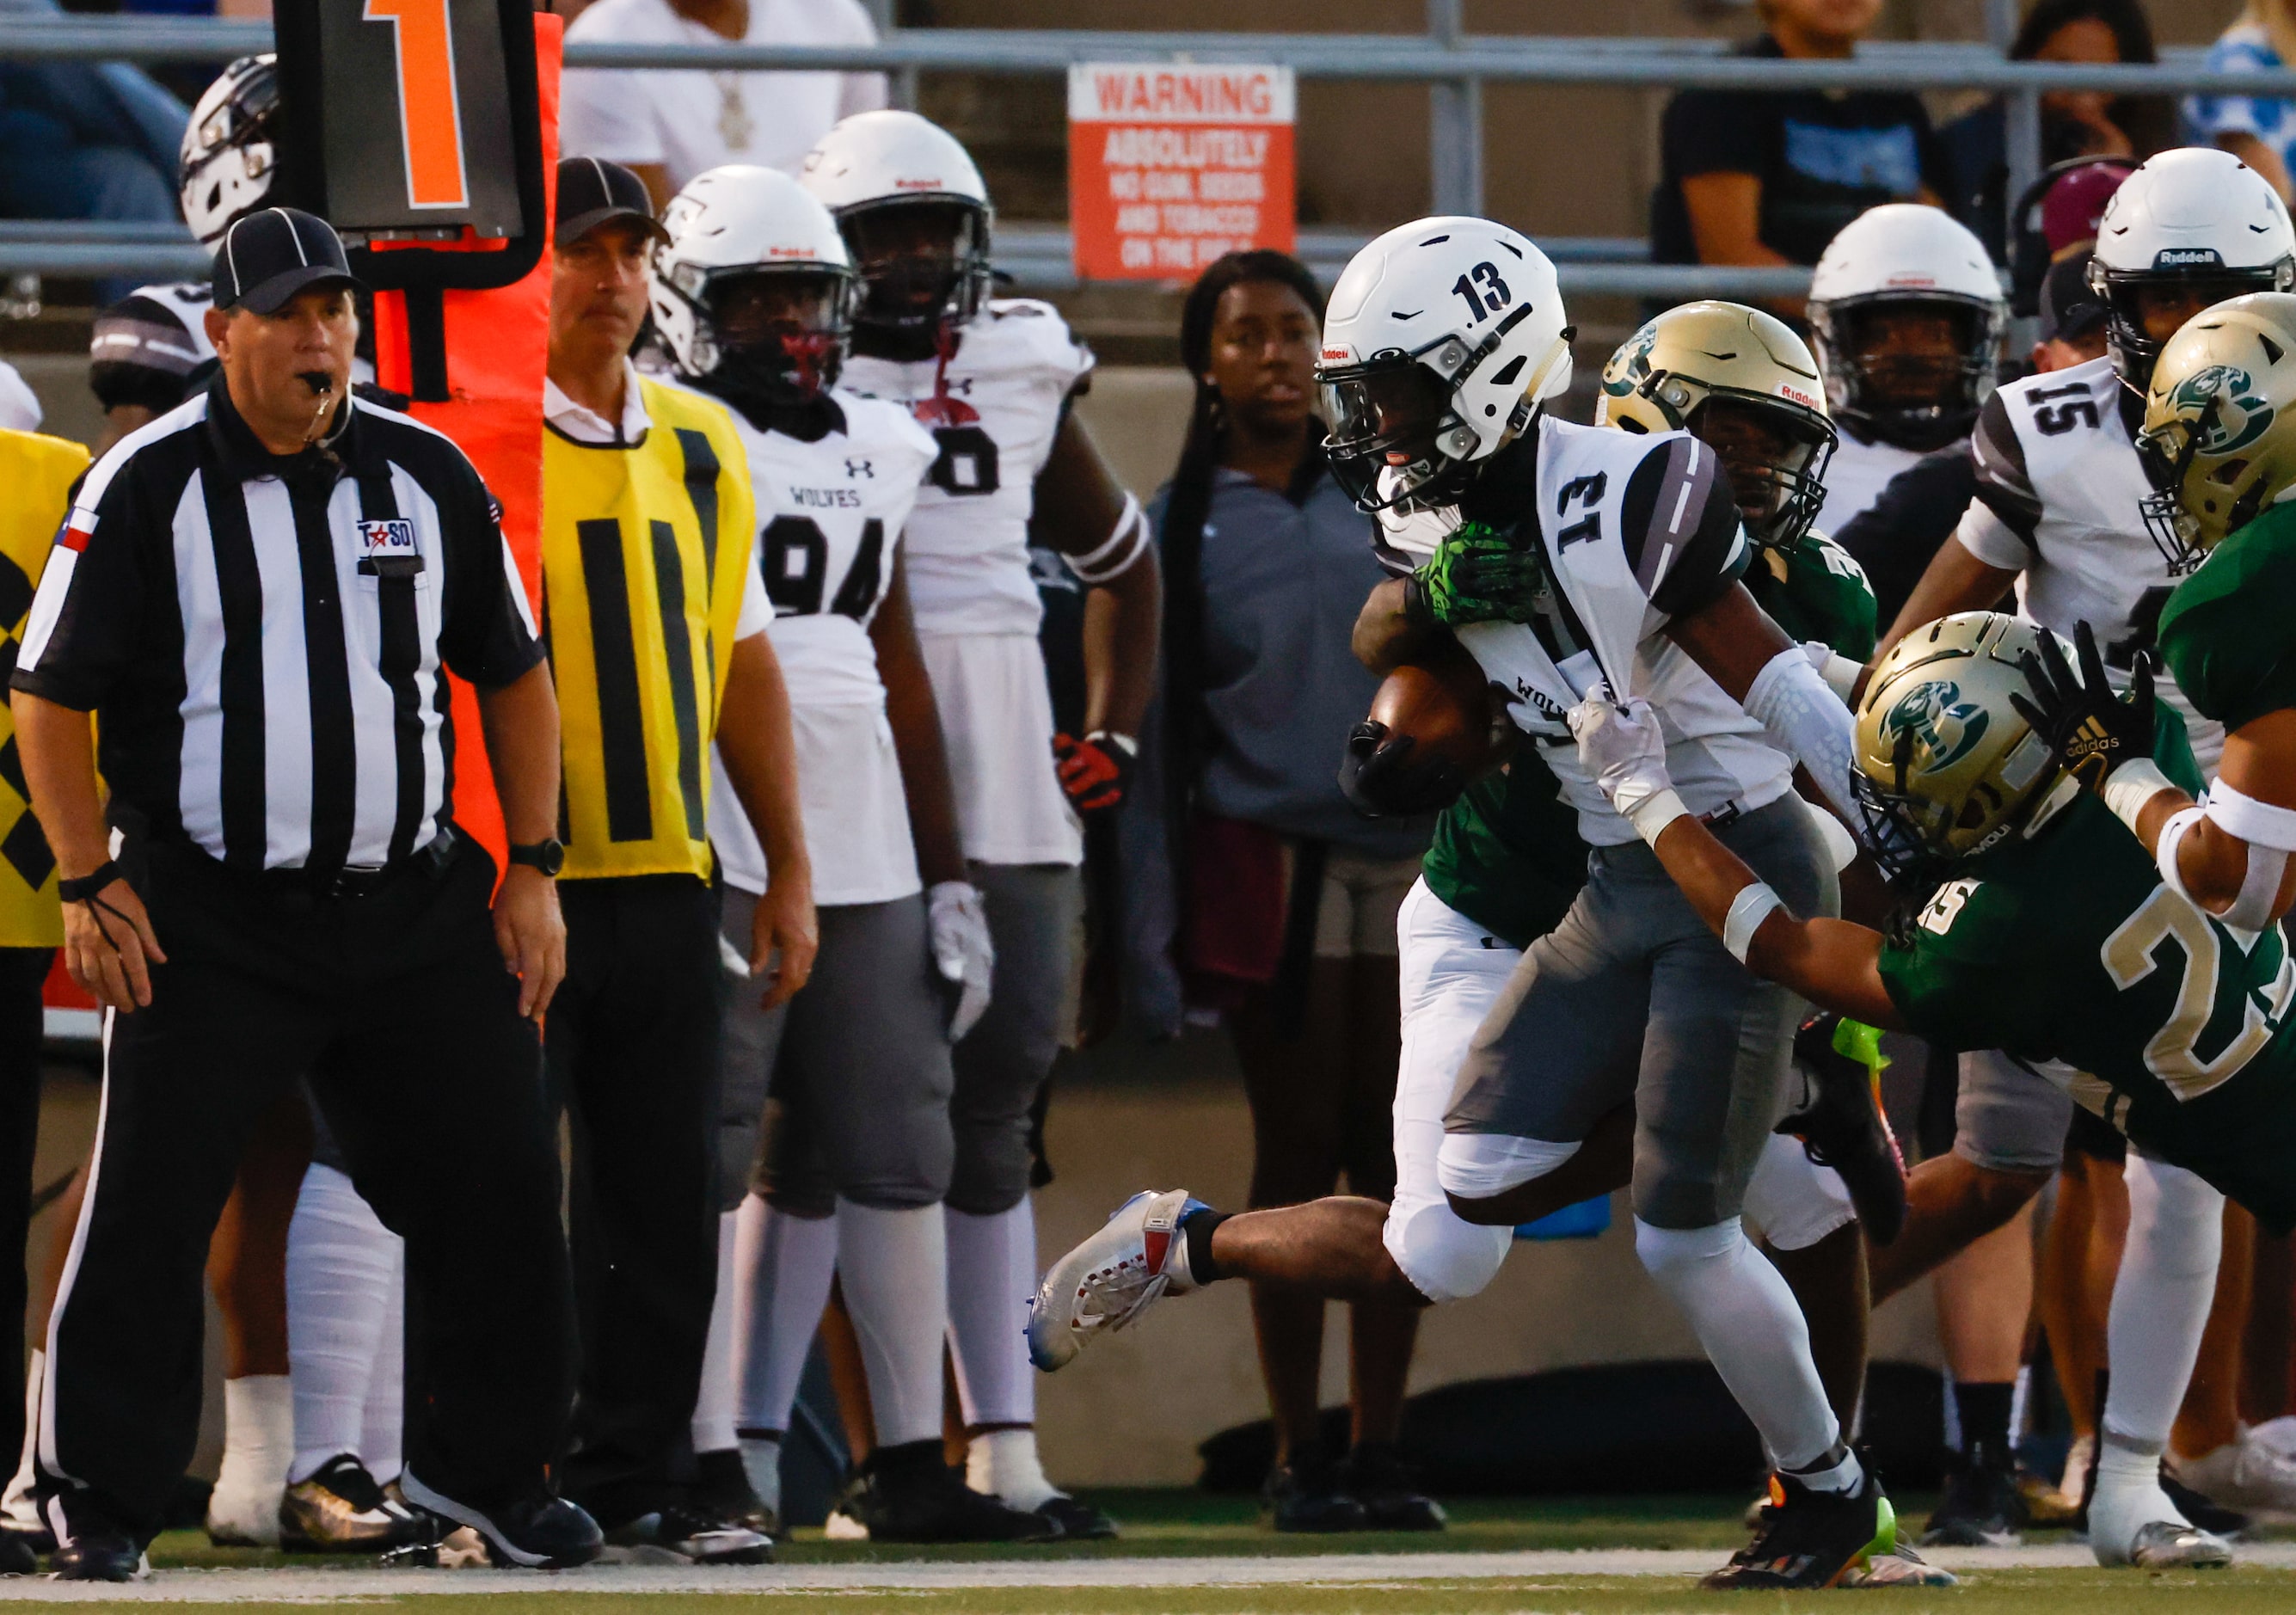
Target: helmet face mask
228, 162
1391, 421
2139, 303
1775, 459
923, 263
780, 333
1909, 369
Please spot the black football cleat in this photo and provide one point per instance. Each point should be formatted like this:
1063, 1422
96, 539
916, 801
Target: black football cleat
908, 1494
721, 1486
1980, 1506
18, 1556
1375, 1475
1308, 1495
540, 1530
1076, 1519
1813, 1540
98, 1551
1841, 1125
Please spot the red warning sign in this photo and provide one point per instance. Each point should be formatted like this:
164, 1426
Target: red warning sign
1171, 167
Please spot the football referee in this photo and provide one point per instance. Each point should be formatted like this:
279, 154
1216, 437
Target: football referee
258, 593
659, 646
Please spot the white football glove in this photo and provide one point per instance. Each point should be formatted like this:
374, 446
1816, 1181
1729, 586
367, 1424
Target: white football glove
1621, 747
960, 949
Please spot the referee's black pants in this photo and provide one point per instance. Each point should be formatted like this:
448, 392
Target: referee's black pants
398, 1006
23, 971
633, 1039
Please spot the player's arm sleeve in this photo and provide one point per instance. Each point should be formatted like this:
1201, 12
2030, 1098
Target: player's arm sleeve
86, 619
488, 636
1896, 536
1999, 524
1680, 526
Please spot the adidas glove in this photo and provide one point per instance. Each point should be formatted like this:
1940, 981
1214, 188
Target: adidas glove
1622, 748
2087, 723
1475, 575
958, 922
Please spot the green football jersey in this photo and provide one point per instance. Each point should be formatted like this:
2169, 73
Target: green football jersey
2065, 950
2227, 634
1507, 853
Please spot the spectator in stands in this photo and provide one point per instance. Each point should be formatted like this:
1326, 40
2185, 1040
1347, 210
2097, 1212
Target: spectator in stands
2260, 130
672, 125
2074, 123
1750, 176
1254, 891
85, 140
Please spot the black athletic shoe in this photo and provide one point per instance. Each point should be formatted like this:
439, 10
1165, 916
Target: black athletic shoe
1841, 1125
721, 1486
1813, 1540
1078, 1521
695, 1535
1375, 1475
908, 1494
99, 1551
539, 1531
1305, 1495
18, 1557
1981, 1507
339, 1509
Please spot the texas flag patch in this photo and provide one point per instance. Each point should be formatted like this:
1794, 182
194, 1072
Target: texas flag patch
78, 529
387, 549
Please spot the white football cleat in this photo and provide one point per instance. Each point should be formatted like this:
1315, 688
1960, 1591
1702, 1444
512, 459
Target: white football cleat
1113, 1277
2245, 1474
2137, 1525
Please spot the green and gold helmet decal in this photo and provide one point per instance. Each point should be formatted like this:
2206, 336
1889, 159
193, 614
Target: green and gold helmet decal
2219, 442
1693, 365
1946, 766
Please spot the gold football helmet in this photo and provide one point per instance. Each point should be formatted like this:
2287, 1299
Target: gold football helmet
1946, 766
2219, 436
1742, 382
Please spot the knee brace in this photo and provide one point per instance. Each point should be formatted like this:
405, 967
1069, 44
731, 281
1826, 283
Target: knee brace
1446, 1259
1479, 1166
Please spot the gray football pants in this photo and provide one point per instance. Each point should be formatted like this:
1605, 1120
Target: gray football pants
1034, 910
1632, 998
849, 1081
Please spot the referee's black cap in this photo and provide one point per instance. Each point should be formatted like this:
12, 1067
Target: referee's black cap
2070, 310
267, 258
593, 191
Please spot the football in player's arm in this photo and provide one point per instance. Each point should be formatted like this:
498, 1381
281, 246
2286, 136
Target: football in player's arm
2219, 444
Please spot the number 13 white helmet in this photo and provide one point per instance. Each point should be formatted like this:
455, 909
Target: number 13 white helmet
1442, 339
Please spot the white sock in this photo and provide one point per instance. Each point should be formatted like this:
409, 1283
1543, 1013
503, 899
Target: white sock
894, 1265
713, 1409
2162, 1299
383, 1422
259, 1437
1753, 1333
1003, 1463
2128, 1497
17, 1503
761, 1461
341, 1262
782, 1268
992, 1274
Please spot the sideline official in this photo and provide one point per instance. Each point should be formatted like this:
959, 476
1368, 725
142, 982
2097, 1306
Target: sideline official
657, 642
256, 594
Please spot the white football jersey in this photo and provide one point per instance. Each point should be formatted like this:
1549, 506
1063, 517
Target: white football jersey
1635, 531
829, 519
2059, 501
967, 540
1855, 478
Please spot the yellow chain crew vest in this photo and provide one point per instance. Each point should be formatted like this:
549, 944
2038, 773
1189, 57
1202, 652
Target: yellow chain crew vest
39, 473
643, 552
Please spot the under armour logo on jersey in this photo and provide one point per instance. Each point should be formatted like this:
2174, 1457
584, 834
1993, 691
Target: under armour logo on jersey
860, 467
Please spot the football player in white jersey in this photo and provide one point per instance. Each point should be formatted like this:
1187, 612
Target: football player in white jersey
1588, 558
753, 298
1907, 314
2059, 516
993, 380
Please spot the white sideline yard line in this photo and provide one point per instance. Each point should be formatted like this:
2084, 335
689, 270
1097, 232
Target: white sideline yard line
299, 1586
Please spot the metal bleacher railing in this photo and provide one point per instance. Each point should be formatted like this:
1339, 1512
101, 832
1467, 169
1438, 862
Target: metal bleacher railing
1455, 64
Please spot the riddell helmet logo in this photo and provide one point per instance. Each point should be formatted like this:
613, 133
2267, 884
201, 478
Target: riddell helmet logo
2188, 258
1911, 280
1335, 354
1795, 395
917, 184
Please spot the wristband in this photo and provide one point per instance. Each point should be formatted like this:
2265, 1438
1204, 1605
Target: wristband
85, 887
1651, 817
2127, 788
1753, 905
2259, 824
1111, 738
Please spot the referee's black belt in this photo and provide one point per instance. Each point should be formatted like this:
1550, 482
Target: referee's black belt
348, 883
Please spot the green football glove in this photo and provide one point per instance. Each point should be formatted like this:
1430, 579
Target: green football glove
1476, 575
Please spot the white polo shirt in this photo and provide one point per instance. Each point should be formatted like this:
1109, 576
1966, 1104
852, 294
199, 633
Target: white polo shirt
691, 120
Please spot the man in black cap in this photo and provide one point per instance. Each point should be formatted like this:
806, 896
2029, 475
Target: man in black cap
659, 646
258, 595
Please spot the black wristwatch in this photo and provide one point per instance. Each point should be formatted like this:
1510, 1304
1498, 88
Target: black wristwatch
548, 855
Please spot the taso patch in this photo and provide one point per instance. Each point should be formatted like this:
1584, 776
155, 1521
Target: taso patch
386, 548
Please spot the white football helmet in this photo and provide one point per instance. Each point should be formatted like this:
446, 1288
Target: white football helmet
226, 165
915, 217
732, 225
1440, 341
1890, 256
2193, 215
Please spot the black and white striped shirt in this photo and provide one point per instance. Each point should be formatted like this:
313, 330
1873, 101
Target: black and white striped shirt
261, 638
